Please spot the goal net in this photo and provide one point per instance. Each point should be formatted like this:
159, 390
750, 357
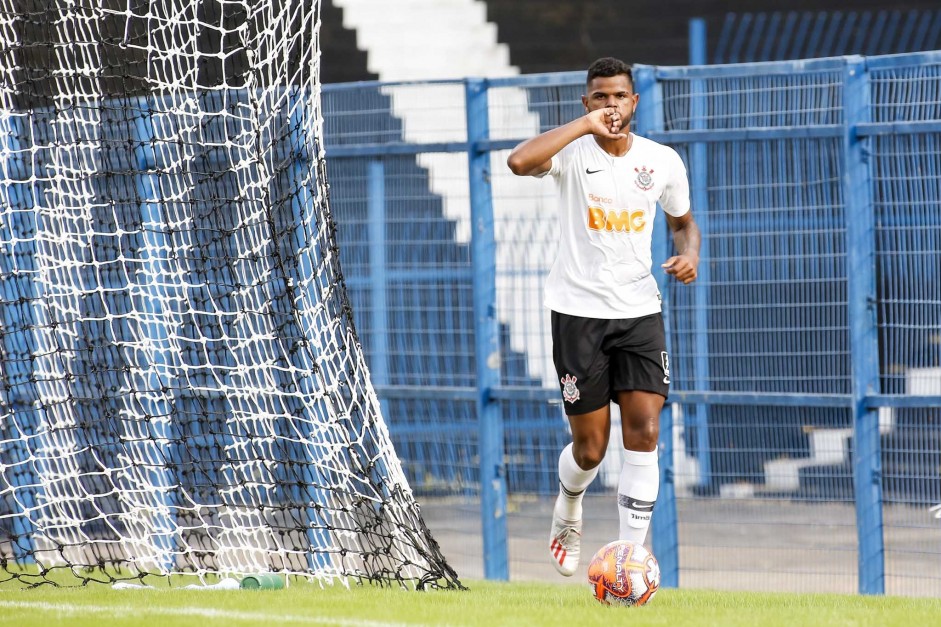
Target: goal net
182, 390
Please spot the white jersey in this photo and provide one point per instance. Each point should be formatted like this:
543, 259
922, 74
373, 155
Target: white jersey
607, 207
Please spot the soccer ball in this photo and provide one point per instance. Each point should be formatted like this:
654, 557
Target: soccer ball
624, 573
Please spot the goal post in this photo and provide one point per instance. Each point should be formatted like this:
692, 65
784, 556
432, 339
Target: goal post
182, 390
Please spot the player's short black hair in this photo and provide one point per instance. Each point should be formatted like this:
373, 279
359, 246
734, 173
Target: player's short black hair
609, 66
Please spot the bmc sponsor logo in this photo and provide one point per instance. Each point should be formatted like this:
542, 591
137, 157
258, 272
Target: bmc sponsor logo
620, 221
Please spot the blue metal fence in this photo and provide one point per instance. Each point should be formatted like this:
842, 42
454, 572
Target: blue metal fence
807, 357
808, 368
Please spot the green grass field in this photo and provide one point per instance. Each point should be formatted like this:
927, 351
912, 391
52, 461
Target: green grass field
483, 604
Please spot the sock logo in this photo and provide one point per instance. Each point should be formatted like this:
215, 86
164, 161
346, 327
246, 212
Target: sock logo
638, 512
639, 506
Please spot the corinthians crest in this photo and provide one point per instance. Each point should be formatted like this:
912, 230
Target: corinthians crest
644, 179
569, 390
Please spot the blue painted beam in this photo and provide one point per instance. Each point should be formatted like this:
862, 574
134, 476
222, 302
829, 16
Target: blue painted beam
20, 395
157, 405
487, 340
746, 399
664, 524
677, 137
697, 42
916, 127
864, 335
378, 271
392, 148
305, 211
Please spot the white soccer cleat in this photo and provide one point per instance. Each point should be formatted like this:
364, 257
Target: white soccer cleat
565, 541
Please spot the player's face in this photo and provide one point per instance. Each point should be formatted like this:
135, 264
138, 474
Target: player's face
612, 91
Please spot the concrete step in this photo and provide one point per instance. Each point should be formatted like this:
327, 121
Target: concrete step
426, 15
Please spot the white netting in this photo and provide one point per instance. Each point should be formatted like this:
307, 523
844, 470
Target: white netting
182, 389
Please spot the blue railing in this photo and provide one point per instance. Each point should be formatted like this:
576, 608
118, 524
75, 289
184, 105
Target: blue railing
792, 317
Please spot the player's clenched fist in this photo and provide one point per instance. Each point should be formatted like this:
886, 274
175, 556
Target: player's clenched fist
683, 267
606, 123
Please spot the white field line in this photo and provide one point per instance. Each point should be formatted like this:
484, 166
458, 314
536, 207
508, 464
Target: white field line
118, 611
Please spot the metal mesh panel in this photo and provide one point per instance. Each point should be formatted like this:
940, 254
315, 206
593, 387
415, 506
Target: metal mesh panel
775, 293
907, 203
768, 324
756, 100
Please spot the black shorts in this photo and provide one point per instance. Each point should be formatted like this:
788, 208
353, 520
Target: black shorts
595, 359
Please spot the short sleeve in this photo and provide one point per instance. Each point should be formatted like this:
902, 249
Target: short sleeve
675, 196
560, 161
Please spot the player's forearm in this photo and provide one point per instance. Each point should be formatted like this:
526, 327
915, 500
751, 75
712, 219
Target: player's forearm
527, 157
687, 239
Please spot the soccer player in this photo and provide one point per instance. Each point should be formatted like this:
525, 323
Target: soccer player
608, 338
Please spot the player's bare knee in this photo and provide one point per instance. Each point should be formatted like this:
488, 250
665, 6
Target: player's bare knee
641, 437
588, 456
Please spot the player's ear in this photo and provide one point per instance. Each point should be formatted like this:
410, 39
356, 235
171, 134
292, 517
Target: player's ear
585, 102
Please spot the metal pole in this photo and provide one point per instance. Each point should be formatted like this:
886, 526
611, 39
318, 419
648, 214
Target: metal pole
379, 309
156, 401
859, 217
17, 291
487, 339
699, 177
697, 41
664, 538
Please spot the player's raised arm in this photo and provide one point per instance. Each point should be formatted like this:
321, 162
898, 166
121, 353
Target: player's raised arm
533, 156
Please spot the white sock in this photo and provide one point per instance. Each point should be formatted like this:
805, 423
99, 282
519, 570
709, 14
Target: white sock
637, 492
573, 481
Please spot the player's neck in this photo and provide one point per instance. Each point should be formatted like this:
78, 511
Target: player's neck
616, 147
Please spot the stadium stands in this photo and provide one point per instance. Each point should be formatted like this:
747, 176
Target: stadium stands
343, 60
656, 33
